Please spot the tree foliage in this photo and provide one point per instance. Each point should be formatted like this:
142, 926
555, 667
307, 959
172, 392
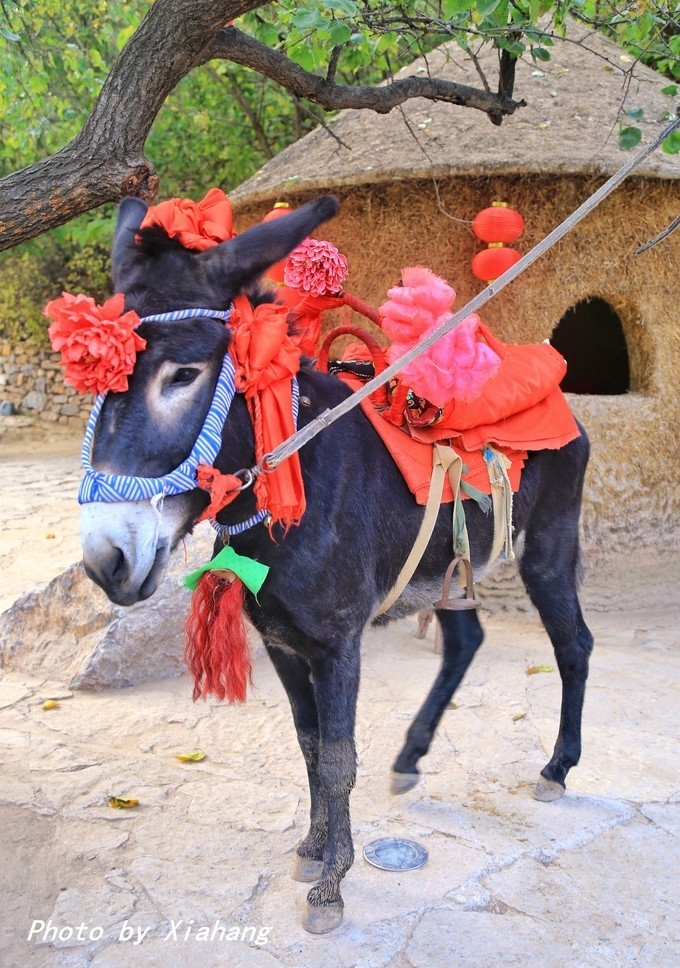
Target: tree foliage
100, 98
148, 87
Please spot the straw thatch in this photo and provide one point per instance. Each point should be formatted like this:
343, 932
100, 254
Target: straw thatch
569, 125
408, 195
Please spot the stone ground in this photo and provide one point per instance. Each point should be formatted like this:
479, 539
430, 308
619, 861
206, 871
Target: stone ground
591, 880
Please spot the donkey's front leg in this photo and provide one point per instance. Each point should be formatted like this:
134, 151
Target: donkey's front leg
295, 676
335, 678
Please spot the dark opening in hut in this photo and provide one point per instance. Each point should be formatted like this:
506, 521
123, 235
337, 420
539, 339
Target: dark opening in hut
591, 339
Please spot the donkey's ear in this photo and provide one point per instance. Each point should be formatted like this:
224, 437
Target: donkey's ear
235, 264
125, 254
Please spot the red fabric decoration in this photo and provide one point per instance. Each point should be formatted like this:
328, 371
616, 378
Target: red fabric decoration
217, 652
498, 224
521, 409
491, 263
98, 344
197, 225
223, 488
266, 358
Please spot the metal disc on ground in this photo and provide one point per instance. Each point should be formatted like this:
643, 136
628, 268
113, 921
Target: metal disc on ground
394, 854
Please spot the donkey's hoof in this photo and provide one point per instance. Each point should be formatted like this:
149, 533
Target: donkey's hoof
548, 790
322, 919
403, 782
306, 870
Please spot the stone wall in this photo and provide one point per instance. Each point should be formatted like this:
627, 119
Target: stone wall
31, 380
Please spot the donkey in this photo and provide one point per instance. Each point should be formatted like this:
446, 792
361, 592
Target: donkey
330, 573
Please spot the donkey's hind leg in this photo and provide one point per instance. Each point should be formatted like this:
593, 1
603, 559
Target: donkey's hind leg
548, 567
295, 677
462, 635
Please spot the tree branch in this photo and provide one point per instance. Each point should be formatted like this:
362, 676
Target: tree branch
106, 160
240, 48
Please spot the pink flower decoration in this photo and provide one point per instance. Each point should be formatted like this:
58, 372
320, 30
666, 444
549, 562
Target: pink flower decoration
315, 267
98, 344
459, 364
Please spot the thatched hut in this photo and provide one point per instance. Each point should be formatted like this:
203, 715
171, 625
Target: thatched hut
410, 184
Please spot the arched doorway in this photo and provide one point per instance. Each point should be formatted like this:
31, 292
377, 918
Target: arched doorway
591, 339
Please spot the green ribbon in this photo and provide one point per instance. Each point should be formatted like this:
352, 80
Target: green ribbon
252, 573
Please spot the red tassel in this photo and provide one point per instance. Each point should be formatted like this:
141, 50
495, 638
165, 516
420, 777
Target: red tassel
217, 651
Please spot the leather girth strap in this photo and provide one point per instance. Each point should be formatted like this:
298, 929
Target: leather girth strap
446, 461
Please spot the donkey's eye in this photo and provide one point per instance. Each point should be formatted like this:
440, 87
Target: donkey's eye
184, 376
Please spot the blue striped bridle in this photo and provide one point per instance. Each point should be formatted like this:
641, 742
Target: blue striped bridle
110, 488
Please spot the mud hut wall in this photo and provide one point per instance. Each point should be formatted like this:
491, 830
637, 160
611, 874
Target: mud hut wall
632, 494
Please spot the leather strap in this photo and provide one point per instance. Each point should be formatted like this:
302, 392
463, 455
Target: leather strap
444, 461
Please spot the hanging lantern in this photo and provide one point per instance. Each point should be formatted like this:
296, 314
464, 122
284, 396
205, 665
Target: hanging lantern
275, 273
491, 263
497, 226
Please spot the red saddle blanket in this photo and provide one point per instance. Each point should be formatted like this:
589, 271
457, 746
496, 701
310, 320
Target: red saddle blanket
522, 408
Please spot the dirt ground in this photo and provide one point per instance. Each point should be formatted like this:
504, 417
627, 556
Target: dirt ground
197, 873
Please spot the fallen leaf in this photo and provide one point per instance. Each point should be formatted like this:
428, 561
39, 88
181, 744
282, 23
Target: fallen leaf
119, 803
194, 757
50, 704
518, 716
50, 535
532, 670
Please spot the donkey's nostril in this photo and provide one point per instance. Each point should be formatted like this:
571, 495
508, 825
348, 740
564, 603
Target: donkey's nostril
117, 567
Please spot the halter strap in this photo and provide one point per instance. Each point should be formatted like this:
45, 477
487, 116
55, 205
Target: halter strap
111, 488
98, 486
176, 314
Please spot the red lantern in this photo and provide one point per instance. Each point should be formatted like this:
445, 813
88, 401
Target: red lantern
498, 224
491, 263
275, 273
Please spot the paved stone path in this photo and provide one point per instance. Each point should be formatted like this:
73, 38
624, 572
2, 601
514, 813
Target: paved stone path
591, 880
587, 882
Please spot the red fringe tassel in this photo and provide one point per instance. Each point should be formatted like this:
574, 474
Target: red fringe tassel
217, 651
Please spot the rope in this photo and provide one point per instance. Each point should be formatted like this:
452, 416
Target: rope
285, 450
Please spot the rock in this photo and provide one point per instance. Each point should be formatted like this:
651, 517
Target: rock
7, 408
34, 400
72, 632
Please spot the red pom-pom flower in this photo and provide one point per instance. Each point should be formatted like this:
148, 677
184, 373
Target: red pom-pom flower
316, 268
98, 344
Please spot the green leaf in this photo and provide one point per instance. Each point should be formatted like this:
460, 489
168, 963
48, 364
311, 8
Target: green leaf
309, 19
486, 7
670, 91
635, 114
452, 7
304, 56
629, 138
540, 53
339, 32
9, 35
347, 7
671, 145
514, 47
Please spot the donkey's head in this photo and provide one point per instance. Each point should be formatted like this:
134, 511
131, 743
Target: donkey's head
150, 430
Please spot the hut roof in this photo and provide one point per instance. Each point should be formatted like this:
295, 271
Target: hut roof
569, 126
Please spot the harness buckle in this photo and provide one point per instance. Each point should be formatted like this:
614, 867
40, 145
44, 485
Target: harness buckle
248, 474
